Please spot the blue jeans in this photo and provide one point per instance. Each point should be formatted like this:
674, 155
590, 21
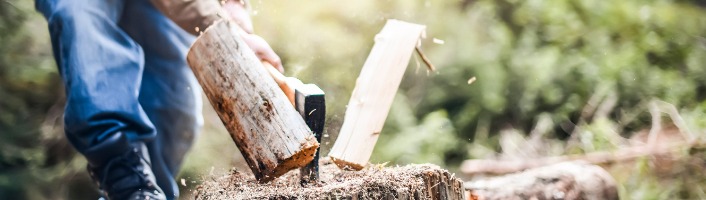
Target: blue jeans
124, 67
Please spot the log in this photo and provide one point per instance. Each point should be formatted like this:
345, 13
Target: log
268, 131
374, 91
423, 181
498, 167
567, 180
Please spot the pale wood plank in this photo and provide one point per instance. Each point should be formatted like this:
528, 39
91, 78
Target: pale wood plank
373, 94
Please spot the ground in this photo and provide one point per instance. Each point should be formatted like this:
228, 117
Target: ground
423, 181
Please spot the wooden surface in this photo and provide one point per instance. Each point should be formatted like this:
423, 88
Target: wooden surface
374, 91
269, 132
422, 181
568, 180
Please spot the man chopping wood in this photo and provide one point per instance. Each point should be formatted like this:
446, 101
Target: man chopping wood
133, 105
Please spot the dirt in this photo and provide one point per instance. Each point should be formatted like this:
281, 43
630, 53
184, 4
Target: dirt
422, 181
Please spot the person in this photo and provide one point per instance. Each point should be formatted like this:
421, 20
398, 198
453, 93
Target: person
133, 106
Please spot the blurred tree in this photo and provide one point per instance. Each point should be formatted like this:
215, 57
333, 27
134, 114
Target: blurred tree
533, 57
34, 157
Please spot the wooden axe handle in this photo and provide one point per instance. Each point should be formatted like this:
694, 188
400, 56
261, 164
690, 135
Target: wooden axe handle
281, 80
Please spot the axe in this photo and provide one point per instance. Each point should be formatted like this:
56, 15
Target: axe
271, 134
309, 101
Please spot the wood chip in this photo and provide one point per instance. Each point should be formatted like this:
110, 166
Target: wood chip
471, 80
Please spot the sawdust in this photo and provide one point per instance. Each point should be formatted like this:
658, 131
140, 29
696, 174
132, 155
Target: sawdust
424, 181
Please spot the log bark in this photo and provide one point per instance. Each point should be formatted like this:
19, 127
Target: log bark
423, 181
269, 132
374, 91
568, 180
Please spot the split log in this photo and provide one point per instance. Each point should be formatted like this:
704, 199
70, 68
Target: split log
568, 180
423, 181
374, 91
269, 132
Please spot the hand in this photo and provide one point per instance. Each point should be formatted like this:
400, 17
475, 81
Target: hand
263, 50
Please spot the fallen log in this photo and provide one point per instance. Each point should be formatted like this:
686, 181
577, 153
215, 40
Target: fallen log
567, 180
497, 167
423, 181
269, 132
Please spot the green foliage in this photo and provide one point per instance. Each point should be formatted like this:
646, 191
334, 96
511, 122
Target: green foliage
532, 57
416, 141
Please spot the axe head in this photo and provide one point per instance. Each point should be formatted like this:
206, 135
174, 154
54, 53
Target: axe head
310, 102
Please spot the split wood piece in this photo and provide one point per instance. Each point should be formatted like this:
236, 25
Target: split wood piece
269, 132
424, 181
374, 91
568, 180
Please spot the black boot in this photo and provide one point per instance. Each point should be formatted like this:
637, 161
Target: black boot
122, 169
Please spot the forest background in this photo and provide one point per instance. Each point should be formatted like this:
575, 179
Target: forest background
552, 77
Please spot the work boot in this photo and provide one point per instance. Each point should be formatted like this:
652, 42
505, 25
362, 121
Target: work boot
122, 169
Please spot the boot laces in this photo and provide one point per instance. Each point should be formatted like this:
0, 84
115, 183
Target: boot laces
124, 161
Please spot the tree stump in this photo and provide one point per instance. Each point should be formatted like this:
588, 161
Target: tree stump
423, 181
567, 180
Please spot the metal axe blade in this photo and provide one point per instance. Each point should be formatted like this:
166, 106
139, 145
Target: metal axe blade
311, 104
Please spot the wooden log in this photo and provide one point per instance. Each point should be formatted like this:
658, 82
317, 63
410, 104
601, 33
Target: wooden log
269, 132
568, 180
374, 91
424, 181
626, 154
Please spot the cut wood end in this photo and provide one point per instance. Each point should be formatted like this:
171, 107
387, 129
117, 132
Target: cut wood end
345, 165
298, 160
214, 29
204, 32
